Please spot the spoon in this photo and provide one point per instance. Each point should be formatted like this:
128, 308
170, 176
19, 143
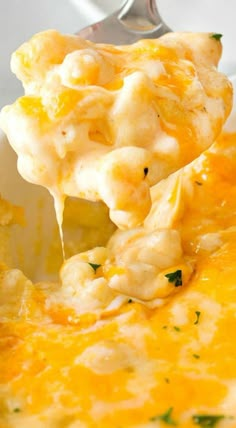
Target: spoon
134, 20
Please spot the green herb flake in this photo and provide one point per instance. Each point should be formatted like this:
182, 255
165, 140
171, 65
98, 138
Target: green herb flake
196, 356
94, 266
198, 183
145, 171
176, 328
216, 36
165, 417
207, 421
130, 301
175, 277
16, 410
198, 313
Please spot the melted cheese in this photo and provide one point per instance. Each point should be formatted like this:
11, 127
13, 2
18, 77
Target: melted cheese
89, 109
116, 344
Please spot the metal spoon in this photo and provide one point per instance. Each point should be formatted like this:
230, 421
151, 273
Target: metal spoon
134, 20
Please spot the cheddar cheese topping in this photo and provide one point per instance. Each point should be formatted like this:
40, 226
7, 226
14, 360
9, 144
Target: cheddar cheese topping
139, 332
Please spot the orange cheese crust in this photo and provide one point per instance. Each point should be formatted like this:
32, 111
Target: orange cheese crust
133, 365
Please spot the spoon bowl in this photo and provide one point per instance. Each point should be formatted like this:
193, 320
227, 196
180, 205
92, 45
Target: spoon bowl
134, 20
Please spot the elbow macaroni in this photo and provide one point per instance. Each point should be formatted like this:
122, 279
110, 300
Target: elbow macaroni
134, 264
108, 123
89, 109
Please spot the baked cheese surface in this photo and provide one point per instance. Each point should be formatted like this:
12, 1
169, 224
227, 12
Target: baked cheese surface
130, 366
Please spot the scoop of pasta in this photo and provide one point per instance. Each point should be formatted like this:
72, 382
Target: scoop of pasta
106, 123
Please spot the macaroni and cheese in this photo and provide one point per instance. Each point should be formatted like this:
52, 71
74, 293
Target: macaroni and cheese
139, 332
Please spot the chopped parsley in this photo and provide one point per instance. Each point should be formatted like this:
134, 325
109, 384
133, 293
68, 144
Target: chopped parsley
16, 410
94, 266
175, 277
130, 301
196, 356
208, 421
216, 36
165, 417
198, 313
145, 171
176, 328
198, 183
